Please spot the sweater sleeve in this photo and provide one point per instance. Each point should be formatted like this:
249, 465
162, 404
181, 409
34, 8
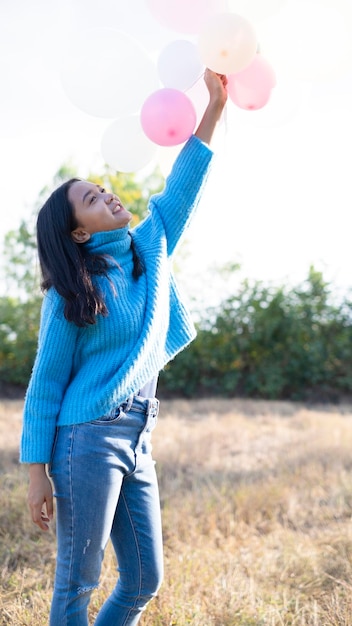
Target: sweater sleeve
49, 379
183, 189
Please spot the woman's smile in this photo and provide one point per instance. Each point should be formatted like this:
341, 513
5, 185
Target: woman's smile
95, 210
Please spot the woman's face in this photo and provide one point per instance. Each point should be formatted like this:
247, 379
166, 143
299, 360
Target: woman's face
95, 210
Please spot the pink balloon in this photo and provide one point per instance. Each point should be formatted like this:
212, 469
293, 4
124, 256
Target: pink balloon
251, 88
168, 117
185, 16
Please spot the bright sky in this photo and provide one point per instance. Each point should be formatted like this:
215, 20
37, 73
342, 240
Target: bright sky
279, 198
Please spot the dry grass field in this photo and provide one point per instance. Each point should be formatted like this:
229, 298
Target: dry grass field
257, 505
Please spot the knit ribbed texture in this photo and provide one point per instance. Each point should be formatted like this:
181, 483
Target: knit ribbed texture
81, 374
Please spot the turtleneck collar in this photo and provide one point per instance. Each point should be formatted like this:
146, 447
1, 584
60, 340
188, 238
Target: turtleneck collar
112, 242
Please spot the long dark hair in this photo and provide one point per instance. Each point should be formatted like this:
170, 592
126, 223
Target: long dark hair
68, 266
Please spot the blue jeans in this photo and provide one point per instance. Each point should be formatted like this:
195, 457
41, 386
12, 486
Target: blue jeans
106, 487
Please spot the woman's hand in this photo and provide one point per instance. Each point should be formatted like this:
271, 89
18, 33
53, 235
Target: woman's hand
40, 496
216, 84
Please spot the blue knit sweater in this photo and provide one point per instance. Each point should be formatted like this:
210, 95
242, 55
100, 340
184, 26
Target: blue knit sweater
81, 374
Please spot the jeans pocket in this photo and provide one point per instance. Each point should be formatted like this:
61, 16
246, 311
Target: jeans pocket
110, 418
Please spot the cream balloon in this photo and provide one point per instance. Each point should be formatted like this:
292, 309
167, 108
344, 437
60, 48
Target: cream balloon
227, 43
107, 73
125, 147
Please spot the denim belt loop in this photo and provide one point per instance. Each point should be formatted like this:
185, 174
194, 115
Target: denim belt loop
125, 406
153, 407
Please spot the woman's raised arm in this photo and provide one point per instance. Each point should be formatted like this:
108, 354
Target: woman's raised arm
216, 84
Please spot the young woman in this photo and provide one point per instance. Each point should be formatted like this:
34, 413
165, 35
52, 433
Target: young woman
111, 320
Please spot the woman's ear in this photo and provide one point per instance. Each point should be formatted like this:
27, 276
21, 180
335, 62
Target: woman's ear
79, 235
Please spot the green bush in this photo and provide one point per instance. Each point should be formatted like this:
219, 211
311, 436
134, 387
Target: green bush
269, 343
18, 339
262, 342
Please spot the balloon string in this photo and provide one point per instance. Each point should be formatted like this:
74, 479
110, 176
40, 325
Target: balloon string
225, 136
225, 119
196, 81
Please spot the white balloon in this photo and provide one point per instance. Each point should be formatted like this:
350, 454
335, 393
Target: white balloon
179, 64
256, 10
309, 40
125, 147
185, 16
166, 157
107, 73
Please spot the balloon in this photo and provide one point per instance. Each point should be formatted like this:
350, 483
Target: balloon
168, 117
125, 147
310, 40
256, 10
227, 43
107, 73
287, 100
251, 88
179, 65
185, 16
131, 17
166, 157
199, 96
